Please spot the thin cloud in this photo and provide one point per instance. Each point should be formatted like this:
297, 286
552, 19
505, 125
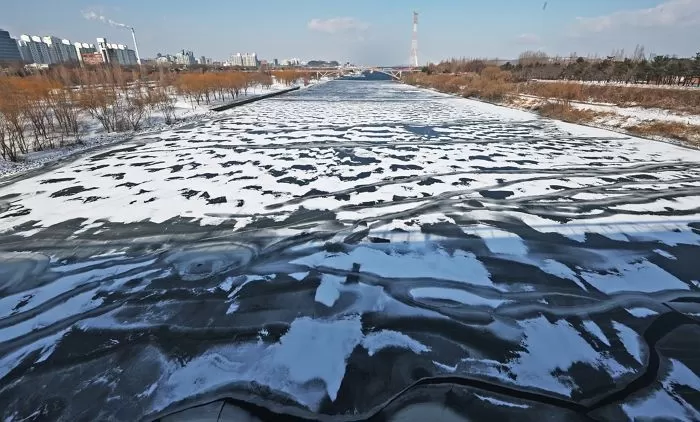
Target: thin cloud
92, 15
337, 25
527, 39
669, 14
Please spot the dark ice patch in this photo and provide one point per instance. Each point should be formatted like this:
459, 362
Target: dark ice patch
463, 181
73, 190
19, 213
219, 200
356, 237
307, 167
232, 163
429, 181
480, 157
395, 167
445, 229
128, 185
116, 176
204, 175
379, 240
92, 199
409, 157
366, 189
496, 194
644, 177
59, 180
314, 192
358, 176
145, 163
188, 193
355, 160
297, 181
428, 131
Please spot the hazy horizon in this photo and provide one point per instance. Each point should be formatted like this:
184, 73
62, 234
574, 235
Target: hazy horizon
365, 33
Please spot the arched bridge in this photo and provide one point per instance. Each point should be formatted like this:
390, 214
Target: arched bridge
394, 72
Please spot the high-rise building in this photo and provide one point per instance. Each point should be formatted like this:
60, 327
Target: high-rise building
60, 51
250, 60
162, 60
24, 51
87, 53
116, 53
34, 50
69, 51
244, 60
185, 58
46, 50
9, 52
53, 45
237, 60
291, 62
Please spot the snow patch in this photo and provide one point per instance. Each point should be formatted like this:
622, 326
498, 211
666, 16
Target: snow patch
454, 295
594, 329
374, 342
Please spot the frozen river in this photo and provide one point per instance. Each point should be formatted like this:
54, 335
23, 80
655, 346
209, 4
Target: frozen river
356, 249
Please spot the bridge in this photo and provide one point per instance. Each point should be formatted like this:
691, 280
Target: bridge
395, 73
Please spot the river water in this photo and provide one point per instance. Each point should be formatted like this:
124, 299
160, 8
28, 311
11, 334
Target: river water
352, 249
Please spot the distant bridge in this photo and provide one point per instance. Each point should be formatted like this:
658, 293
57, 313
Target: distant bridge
395, 73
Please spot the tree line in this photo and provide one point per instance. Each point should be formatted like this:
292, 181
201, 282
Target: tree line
637, 68
493, 83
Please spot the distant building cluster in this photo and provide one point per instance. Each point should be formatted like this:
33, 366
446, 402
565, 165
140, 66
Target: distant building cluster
48, 50
116, 53
291, 62
244, 60
182, 58
251, 60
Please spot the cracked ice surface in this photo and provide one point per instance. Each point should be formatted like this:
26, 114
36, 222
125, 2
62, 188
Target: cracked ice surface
327, 249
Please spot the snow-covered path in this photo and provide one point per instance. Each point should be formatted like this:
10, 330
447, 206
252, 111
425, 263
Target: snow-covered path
338, 244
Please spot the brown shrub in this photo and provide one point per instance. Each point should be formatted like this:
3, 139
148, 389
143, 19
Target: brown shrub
562, 110
686, 100
491, 84
675, 130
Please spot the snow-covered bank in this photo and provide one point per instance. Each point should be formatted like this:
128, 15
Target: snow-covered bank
653, 123
94, 136
621, 84
632, 114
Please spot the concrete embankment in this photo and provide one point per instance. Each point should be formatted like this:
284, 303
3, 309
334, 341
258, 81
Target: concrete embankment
252, 99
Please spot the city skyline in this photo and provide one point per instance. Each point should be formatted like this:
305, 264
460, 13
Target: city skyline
367, 33
52, 49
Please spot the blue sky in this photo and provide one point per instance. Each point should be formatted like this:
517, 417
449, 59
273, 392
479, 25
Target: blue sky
369, 31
